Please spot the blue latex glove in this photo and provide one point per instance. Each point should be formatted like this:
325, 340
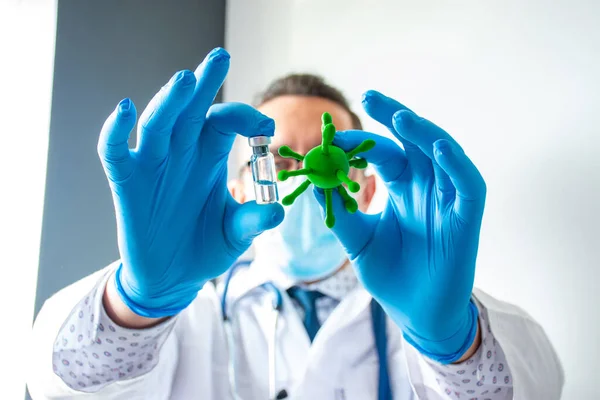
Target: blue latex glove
177, 224
417, 258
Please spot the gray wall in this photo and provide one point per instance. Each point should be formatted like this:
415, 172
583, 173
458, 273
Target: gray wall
105, 51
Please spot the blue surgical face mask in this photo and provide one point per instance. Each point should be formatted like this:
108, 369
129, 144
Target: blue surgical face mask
303, 247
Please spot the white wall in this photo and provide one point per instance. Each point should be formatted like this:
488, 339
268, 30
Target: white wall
517, 83
27, 37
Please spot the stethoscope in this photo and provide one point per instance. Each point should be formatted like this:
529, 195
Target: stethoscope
378, 320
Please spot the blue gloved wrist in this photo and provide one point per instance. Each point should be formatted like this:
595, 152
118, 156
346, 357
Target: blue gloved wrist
451, 349
165, 306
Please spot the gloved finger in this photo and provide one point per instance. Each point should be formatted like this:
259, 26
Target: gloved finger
224, 121
247, 221
382, 108
388, 158
157, 120
352, 230
444, 184
113, 147
419, 131
469, 184
210, 75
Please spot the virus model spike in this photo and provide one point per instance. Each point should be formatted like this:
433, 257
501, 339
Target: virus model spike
285, 151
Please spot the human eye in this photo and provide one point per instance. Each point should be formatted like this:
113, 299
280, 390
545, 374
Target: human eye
284, 164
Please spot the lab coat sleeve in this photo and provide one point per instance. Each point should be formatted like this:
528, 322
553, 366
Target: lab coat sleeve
78, 350
530, 366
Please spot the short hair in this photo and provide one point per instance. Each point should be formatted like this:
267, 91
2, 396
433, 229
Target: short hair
306, 85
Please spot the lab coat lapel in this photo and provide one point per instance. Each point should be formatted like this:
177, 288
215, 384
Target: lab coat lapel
351, 309
310, 359
335, 347
348, 311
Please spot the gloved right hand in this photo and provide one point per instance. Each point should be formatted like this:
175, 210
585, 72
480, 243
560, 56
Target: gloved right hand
177, 224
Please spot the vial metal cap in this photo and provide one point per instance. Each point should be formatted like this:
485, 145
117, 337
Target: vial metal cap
259, 141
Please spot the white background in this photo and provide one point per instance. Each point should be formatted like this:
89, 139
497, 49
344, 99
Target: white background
27, 37
517, 83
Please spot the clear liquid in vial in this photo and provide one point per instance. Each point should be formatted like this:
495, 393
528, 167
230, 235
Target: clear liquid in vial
266, 192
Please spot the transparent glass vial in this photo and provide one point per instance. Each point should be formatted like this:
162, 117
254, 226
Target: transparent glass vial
264, 174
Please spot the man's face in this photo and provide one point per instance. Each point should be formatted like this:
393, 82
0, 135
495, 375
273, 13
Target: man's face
298, 125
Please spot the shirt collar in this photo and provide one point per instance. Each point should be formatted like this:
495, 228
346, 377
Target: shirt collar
338, 285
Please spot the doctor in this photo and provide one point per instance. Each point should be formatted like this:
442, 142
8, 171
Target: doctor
381, 307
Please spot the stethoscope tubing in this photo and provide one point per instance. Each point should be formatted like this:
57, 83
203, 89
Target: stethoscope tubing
277, 303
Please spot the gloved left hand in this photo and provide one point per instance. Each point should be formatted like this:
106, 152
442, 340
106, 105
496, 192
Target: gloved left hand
417, 258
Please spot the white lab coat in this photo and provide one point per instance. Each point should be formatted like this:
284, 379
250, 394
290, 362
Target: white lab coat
340, 364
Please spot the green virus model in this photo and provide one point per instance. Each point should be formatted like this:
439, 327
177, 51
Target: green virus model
327, 166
